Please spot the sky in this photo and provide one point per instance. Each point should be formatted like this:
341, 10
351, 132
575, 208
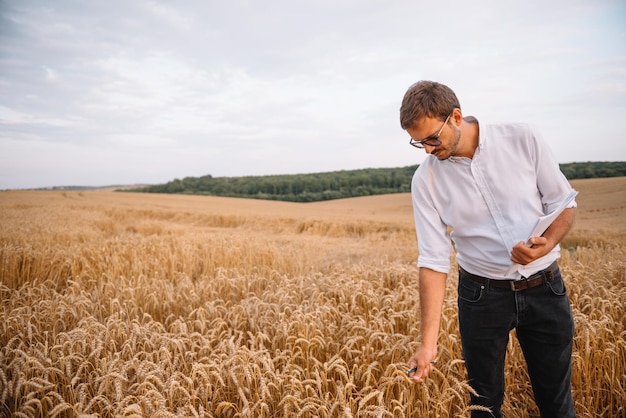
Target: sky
116, 92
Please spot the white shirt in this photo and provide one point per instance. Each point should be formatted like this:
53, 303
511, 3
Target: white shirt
487, 204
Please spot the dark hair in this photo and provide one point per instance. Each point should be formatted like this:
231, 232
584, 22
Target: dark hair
427, 99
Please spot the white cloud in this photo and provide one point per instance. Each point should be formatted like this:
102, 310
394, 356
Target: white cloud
242, 87
170, 15
50, 74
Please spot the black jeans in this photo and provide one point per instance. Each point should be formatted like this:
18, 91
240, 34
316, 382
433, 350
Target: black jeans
544, 325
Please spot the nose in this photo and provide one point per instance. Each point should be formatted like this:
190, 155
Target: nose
429, 148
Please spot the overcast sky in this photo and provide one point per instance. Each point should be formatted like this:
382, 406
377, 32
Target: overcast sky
144, 91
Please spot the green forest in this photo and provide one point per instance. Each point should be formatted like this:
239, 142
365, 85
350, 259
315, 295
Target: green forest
336, 184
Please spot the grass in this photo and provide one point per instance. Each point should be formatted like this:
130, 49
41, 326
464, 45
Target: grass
118, 304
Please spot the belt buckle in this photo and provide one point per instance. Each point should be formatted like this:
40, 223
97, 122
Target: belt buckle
521, 282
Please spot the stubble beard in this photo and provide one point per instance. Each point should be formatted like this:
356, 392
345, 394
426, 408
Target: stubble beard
451, 149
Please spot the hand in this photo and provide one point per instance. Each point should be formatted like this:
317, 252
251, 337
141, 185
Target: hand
424, 360
524, 253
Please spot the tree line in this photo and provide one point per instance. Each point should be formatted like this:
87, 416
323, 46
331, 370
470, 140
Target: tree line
336, 184
590, 170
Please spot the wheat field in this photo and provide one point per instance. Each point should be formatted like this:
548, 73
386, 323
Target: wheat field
141, 305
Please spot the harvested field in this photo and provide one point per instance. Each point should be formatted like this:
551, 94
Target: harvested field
119, 304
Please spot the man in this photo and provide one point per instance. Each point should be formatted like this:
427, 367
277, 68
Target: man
483, 187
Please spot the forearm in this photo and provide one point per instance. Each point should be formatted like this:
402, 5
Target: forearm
559, 228
432, 292
524, 253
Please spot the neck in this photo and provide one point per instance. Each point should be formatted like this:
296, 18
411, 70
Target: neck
469, 138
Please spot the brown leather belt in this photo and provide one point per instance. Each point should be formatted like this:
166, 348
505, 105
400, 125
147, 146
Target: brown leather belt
515, 285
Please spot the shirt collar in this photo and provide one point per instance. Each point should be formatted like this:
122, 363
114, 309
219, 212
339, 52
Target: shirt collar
481, 142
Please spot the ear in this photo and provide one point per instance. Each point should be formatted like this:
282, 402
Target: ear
457, 117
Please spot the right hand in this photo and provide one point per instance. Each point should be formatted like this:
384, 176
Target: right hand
424, 360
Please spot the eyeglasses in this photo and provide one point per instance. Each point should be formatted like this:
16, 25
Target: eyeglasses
432, 140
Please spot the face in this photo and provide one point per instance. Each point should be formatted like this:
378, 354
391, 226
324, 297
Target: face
431, 130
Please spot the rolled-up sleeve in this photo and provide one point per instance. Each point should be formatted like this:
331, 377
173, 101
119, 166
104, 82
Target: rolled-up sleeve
433, 239
551, 182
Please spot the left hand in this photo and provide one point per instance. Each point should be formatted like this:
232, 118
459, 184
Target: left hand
524, 253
